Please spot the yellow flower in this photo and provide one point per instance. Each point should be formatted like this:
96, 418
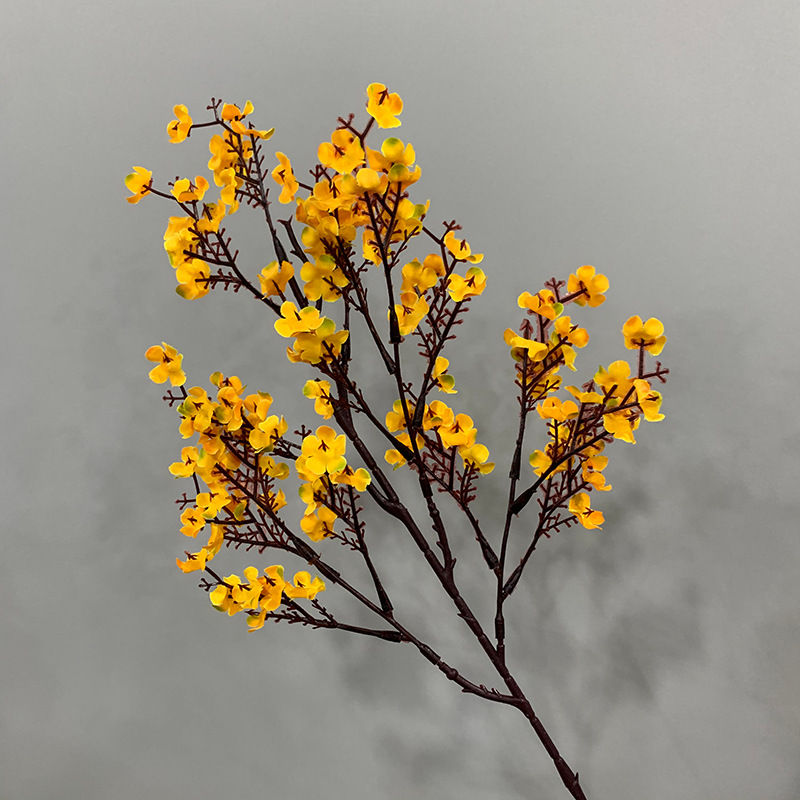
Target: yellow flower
470, 286
139, 183
410, 312
283, 175
477, 457
622, 424
579, 506
266, 433
421, 277
293, 322
318, 524
542, 303
371, 181
325, 451
593, 472
441, 379
649, 401
185, 468
382, 106
460, 433
359, 479
184, 191
592, 285
553, 408
540, 462
211, 218
395, 419
169, 364
274, 277
321, 392
460, 249
436, 415
193, 521
210, 503
343, 153
179, 128
617, 377
304, 587
323, 279
649, 335
536, 350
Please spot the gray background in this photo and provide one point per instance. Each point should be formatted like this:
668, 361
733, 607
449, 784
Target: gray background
657, 141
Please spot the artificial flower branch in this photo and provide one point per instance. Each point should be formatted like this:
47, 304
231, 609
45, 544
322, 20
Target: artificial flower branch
244, 452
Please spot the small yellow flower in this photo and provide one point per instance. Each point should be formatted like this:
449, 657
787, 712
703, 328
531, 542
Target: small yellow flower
274, 277
542, 303
477, 457
553, 408
184, 191
382, 106
579, 506
318, 524
169, 364
471, 286
320, 391
283, 175
343, 153
139, 183
441, 379
304, 586
592, 285
649, 335
325, 451
179, 128
460, 249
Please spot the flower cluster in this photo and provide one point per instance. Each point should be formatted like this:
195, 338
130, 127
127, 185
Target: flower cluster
610, 406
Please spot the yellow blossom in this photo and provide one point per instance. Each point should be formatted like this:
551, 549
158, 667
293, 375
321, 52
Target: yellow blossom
579, 506
138, 182
622, 424
323, 279
185, 468
476, 456
441, 379
542, 303
649, 335
460, 432
274, 277
410, 312
471, 286
461, 249
320, 391
283, 175
536, 350
304, 587
553, 408
359, 479
325, 451
184, 191
318, 524
179, 128
540, 462
592, 285
616, 378
343, 153
169, 364
192, 522
649, 400
382, 106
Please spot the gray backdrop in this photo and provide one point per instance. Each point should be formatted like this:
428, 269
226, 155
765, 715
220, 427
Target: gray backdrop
657, 141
